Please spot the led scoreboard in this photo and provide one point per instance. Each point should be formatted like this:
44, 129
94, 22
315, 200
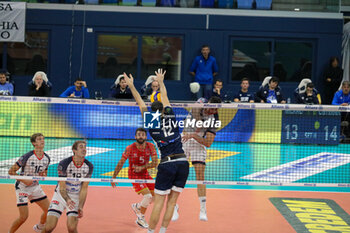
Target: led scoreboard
310, 127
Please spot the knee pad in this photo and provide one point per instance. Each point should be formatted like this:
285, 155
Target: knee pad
147, 199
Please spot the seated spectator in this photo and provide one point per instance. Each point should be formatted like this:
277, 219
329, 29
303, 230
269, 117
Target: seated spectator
244, 95
270, 93
218, 90
120, 89
79, 90
149, 87
342, 97
6, 88
302, 89
308, 96
39, 85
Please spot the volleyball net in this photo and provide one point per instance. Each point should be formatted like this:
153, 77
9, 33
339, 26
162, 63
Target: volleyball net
255, 144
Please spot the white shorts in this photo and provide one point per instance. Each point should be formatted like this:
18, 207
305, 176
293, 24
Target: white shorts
31, 193
195, 151
58, 205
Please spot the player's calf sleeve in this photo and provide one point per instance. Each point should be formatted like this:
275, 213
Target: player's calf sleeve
146, 200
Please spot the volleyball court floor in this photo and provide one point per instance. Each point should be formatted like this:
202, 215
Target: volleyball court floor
231, 208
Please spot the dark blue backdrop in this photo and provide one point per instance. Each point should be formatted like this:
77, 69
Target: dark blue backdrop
326, 34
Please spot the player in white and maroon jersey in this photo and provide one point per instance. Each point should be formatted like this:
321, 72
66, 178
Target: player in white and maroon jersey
33, 163
70, 195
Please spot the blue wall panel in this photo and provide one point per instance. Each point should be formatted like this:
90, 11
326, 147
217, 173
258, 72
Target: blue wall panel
325, 33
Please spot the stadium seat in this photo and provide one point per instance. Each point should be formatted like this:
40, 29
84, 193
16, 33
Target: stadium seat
167, 3
128, 3
110, 1
206, 3
244, 4
91, 2
225, 3
263, 4
148, 2
187, 3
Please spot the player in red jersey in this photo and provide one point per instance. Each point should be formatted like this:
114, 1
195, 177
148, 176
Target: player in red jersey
138, 154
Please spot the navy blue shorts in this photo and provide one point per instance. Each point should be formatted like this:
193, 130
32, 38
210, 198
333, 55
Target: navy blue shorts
171, 176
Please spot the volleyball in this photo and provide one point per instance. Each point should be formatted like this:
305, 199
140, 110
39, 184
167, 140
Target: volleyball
155, 96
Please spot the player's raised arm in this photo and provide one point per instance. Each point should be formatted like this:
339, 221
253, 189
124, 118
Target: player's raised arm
164, 95
130, 81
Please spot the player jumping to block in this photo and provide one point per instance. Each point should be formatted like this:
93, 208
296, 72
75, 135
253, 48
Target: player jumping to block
173, 168
138, 154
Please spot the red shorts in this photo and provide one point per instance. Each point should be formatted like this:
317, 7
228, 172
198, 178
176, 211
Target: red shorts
138, 187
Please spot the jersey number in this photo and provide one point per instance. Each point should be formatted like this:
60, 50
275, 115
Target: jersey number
167, 131
76, 175
38, 169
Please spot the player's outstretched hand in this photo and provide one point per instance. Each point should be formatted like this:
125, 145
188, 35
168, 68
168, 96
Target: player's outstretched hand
160, 75
128, 79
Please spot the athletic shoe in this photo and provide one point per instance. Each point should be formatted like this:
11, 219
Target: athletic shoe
176, 213
36, 228
136, 209
142, 222
203, 215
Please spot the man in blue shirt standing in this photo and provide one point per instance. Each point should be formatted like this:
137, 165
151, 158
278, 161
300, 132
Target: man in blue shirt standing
204, 68
79, 90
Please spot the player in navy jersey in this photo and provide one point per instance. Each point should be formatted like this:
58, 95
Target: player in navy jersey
33, 163
244, 95
70, 195
173, 168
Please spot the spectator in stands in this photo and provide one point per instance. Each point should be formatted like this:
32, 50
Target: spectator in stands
39, 85
244, 95
309, 96
120, 90
6, 88
204, 69
78, 90
270, 93
342, 98
332, 76
218, 90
